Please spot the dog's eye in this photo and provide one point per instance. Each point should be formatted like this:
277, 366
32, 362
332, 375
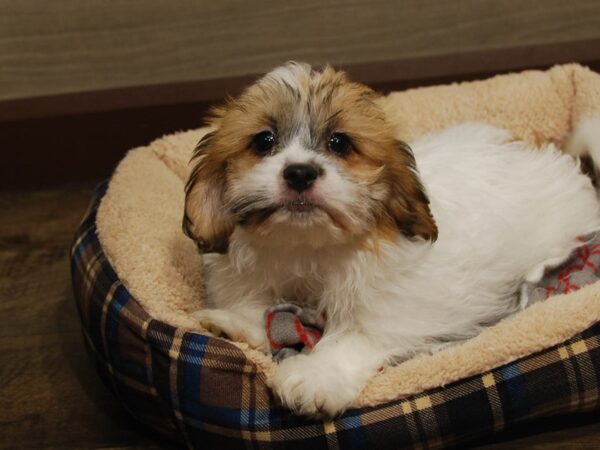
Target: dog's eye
263, 142
339, 143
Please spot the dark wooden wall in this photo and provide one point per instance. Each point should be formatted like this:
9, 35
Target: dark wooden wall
68, 46
80, 82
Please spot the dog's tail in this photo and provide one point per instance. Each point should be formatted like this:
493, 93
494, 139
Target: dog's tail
584, 142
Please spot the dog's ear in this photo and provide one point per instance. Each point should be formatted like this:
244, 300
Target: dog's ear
206, 220
407, 207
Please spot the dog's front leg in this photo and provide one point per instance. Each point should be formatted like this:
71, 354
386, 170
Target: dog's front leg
330, 378
244, 324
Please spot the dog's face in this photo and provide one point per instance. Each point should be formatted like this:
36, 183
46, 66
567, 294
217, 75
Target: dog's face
303, 157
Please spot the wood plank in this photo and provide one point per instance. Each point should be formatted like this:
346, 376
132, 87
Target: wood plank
36, 230
384, 76
50, 395
75, 137
64, 46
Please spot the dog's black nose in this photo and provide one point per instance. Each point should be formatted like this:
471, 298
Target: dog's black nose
300, 176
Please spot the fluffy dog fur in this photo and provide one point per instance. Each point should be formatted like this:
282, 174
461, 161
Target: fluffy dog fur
400, 261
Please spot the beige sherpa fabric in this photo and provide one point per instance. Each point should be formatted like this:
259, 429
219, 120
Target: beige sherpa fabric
139, 222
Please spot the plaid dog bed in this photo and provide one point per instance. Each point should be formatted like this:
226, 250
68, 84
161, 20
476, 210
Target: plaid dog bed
205, 393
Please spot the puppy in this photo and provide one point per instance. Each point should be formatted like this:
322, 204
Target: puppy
305, 194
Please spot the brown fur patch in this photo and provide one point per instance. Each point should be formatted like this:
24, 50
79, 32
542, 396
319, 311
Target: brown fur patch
407, 205
378, 158
205, 219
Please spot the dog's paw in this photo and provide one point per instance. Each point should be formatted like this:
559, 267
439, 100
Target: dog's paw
309, 386
221, 322
208, 322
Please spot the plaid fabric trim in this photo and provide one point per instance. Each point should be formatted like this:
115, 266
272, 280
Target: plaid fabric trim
204, 392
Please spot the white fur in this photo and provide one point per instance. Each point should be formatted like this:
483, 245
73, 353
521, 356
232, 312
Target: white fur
585, 139
502, 209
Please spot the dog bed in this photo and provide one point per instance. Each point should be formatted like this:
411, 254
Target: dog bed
136, 278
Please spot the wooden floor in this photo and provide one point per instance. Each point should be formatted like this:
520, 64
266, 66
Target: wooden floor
50, 397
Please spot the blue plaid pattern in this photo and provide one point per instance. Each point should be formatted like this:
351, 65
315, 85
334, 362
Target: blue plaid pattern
205, 393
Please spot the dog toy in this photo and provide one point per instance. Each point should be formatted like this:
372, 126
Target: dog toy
292, 329
580, 268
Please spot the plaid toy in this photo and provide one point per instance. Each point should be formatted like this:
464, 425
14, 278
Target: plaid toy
292, 329
579, 269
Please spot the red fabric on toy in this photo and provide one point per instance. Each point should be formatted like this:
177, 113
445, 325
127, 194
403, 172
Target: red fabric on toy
292, 329
579, 269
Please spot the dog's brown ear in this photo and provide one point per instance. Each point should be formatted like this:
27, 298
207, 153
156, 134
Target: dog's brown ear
206, 220
407, 206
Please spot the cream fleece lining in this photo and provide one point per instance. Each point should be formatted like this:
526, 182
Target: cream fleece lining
139, 222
